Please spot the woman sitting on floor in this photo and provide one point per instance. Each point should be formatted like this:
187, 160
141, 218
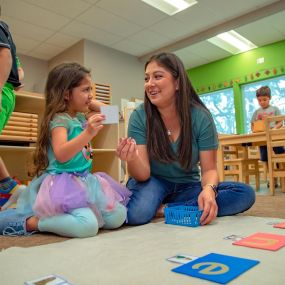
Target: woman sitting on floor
169, 135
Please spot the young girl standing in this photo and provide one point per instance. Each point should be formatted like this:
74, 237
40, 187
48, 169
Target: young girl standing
64, 197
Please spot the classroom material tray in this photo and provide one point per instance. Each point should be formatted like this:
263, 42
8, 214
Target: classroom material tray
182, 215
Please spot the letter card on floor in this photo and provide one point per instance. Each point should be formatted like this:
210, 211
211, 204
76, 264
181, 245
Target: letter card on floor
216, 267
263, 241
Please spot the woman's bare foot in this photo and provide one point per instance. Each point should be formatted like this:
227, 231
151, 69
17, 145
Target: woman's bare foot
32, 224
160, 211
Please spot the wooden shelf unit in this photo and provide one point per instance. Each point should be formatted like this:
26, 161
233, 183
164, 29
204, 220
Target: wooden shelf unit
16, 153
104, 145
18, 156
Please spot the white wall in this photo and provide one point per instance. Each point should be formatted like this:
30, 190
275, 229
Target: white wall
74, 53
36, 71
125, 73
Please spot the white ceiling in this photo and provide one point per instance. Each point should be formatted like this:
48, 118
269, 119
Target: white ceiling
44, 28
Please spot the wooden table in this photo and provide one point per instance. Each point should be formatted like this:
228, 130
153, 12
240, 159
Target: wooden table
252, 139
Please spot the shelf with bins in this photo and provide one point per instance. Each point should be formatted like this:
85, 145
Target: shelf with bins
17, 142
22, 127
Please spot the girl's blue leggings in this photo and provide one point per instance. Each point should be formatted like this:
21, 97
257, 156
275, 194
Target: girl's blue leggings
82, 222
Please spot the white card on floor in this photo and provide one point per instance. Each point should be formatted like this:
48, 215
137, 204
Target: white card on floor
234, 237
48, 280
111, 114
182, 258
272, 223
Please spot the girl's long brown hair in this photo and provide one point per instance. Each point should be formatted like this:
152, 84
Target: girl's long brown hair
61, 80
158, 145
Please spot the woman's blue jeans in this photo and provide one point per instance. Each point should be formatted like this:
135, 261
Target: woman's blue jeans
233, 197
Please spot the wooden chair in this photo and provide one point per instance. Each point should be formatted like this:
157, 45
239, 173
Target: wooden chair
276, 162
253, 152
240, 166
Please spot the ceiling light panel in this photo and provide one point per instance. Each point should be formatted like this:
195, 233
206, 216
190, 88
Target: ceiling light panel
170, 7
232, 42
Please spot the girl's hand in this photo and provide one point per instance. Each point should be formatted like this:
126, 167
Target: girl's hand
90, 114
94, 124
127, 149
207, 202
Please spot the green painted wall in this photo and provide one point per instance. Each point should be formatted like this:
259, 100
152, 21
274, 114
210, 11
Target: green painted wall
239, 69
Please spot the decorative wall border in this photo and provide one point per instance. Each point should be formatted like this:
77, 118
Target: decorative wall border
248, 78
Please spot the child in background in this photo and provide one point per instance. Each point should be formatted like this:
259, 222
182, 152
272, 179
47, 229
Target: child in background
11, 77
263, 95
64, 197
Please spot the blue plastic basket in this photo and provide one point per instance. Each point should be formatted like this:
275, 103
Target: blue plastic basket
182, 215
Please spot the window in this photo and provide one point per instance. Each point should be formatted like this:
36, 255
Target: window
221, 106
277, 86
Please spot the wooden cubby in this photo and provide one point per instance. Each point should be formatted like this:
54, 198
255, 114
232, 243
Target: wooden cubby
18, 156
17, 153
104, 145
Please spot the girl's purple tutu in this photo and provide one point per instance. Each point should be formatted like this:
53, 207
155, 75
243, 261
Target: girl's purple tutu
62, 193
123, 193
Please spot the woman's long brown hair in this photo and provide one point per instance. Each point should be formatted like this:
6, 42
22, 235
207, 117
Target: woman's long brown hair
61, 80
158, 145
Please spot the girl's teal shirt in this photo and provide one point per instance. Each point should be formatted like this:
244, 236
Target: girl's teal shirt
82, 161
79, 163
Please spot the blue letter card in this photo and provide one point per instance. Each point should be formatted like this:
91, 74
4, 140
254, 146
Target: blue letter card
216, 267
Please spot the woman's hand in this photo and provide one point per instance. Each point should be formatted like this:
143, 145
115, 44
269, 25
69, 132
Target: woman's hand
136, 157
207, 197
207, 202
94, 124
127, 149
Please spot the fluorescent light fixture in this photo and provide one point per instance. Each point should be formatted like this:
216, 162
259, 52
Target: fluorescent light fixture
232, 42
170, 7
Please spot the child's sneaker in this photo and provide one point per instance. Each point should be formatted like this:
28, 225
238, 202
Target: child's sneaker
11, 202
13, 224
7, 187
4, 198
